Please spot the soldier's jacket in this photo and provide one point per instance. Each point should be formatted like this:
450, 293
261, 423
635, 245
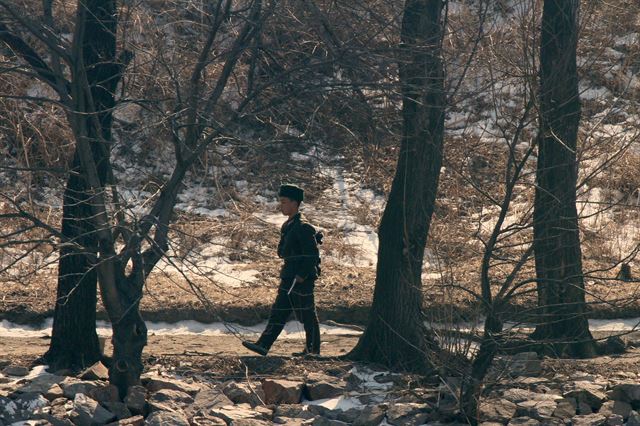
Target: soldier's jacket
299, 249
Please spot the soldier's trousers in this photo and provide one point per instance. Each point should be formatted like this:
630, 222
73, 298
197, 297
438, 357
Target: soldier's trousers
301, 303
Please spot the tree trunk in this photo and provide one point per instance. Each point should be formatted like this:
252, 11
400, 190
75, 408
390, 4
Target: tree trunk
129, 333
558, 256
395, 334
74, 342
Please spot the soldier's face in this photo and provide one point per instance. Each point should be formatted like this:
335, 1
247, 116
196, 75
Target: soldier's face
288, 207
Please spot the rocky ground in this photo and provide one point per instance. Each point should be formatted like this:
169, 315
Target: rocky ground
211, 381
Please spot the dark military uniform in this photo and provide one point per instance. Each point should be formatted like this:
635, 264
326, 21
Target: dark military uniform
299, 249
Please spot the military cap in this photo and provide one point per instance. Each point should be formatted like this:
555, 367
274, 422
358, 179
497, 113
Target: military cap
292, 192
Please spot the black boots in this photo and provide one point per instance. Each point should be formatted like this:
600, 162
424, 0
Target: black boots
255, 347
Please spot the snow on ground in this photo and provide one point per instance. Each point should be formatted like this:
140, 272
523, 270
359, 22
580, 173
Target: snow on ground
293, 329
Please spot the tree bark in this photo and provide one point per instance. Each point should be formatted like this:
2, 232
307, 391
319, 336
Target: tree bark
74, 342
396, 335
558, 255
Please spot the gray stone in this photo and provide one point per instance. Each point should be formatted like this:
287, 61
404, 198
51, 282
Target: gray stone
250, 422
129, 421
323, 421
54, 392
589, 420
627, 392
166, 418
616, 407
294, 411
588, 393
536, 409
104, 393
87, 412
634, 418
615, 420
526, 421
322, 390
496, 410
206, 400
71, 386
241, 393
565, 408
409, 414
206, 420
371, 415
584, 408
525, 364
136, 399
231, 414
15, 370
164, 395
96, 372
154, 384
282, 391
119, 409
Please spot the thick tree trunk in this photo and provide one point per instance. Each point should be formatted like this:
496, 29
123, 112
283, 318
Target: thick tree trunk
558, 256
74, 342
129, 334
395, 334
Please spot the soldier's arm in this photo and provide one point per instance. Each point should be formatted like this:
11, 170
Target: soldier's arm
309, 252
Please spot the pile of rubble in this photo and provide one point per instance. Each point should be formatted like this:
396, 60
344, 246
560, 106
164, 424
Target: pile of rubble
518, 395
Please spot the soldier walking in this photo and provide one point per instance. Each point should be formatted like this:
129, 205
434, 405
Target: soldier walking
298, 248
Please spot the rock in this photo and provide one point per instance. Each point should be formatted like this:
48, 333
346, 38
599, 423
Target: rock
589, 420
584, 408
206, 400
525, 364
615, 420
294, 411
371, 415
230, 414
119, 409
206, 420
105, 393
536, 409
565, 408
241, 393
322, 390
250, 422
53, 392
282, 391
527, 421
408, 414
588, 393
166, 418
41, 384
615, 407
634, 418
96, 372
15, 370
323, 421
71, 386
136, 399
154, 384
166, 395
516, 395
496, 410
9, 411
130, 421
87, 412
627, 392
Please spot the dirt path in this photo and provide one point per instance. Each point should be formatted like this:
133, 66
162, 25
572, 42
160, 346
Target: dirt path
24, 350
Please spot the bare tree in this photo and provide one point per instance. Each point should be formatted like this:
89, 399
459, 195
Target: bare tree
395, 334
556, 234
127, 250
